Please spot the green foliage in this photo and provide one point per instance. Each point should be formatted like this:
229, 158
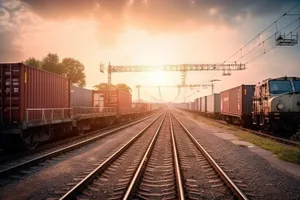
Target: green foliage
123, 87
51, 63
33, 62
120, 86
104, 86
74, 70
69, 67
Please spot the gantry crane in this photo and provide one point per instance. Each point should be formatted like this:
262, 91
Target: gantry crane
183, 68
178, 86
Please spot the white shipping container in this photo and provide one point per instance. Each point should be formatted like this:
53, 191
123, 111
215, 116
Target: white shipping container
203, 104
213, 103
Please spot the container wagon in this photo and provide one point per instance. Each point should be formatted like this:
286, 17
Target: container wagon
213, 105
35, 105
236, 105
140, 107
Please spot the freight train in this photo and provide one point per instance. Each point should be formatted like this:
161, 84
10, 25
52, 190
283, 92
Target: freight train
272, 105
37, 106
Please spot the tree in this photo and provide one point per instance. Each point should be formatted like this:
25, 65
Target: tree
69, 67
33, 62
123, 87
104, 86
74, 70
51, 63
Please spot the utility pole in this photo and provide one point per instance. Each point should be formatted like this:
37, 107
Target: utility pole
109, 73
138, 87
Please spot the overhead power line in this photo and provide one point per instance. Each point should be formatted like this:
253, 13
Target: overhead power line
263, 42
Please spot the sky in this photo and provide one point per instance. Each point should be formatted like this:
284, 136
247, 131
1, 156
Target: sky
153, 32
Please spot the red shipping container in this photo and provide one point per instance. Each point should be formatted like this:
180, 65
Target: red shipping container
24, 87
112, 98
237, 101
125, 101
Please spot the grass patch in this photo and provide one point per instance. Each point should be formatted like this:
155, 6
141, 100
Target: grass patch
283, 152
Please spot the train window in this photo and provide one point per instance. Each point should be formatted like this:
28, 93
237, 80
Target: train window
297, 85
279, 87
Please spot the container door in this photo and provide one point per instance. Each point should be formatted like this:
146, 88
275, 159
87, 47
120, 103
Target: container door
10, 94
98, 101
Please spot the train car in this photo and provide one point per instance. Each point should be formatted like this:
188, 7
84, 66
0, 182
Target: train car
81, 97
192, 106
213, 105
198, 105
139, 107
276, 105
112, 100
236, 105
35, 105
203, 107
149, 107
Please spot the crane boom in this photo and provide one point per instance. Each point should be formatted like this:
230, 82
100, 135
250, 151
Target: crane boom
183, 68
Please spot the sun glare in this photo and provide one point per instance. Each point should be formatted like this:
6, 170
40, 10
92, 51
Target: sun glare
159, 77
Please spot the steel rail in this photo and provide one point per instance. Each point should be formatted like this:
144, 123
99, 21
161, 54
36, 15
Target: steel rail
139, 171
47, 156
234, 188
71, 194
176, 163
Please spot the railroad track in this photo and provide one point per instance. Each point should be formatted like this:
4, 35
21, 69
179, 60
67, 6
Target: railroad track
12, 168
265, 135
150, 166
204, 177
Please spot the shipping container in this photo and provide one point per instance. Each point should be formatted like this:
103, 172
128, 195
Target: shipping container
149, 106
118, 100
196, 105
213, 103
81, 97
24, 88
237, 101
125, 102
189, 105
193, 106
139, 106
203, 104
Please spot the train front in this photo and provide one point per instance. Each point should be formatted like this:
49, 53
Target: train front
284, 104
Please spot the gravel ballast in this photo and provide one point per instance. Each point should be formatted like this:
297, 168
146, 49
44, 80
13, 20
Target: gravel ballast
259, 178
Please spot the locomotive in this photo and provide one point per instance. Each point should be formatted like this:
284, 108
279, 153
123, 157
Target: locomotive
276, 105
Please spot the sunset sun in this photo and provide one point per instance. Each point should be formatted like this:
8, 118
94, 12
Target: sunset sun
159, 78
